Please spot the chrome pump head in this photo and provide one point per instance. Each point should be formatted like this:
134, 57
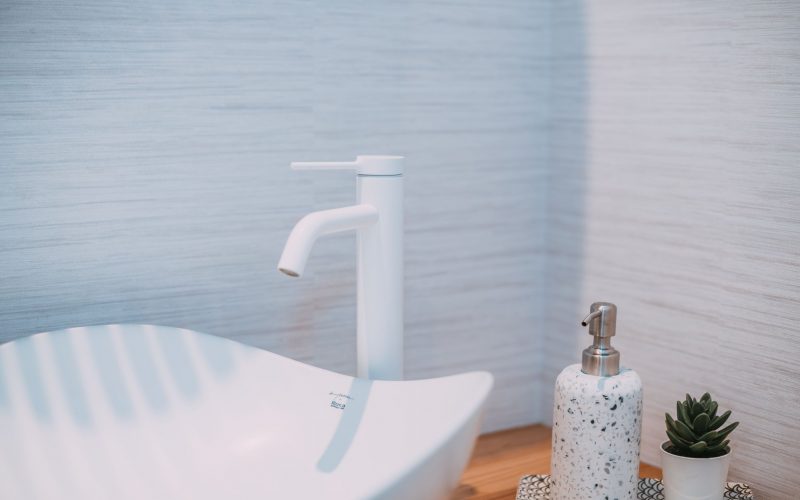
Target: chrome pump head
600, 358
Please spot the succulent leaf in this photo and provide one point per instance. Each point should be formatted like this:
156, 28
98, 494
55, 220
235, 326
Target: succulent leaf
673, 426
698, 447
718, 421
710, 437
723, 446
685, 432
700, 424
677, 440
670, 422
706, 397
697, 409
712, 409
727, 430
683, 414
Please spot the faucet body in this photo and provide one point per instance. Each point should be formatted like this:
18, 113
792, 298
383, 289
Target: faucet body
377, 219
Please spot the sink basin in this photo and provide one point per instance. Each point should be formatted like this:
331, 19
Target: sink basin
152, 412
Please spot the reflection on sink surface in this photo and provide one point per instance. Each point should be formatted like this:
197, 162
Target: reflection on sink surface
151, 412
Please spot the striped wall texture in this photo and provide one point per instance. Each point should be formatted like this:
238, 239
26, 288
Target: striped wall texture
144, 172
675, 193
558, 153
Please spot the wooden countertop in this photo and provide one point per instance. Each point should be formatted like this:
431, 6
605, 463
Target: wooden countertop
500, 459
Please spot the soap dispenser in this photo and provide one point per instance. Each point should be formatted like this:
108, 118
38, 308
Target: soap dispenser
597, 420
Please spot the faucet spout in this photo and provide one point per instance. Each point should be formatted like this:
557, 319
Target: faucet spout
312, 226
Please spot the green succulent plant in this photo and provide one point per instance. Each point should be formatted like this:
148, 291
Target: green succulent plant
697, 431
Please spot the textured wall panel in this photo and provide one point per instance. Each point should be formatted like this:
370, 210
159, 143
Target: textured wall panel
644, 154
676, 194
144, 150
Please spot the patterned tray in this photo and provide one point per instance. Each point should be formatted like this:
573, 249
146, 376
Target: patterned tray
537, 487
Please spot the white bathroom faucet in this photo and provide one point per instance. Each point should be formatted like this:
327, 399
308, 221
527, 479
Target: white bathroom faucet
378, 220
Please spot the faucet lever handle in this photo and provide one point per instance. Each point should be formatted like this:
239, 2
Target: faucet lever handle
324, 165
363, 165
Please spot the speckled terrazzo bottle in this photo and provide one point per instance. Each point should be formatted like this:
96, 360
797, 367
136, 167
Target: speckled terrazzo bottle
597, 420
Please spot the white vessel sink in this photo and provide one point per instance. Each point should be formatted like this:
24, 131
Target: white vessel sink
151, 412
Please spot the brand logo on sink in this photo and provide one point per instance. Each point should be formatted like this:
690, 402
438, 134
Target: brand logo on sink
339, 401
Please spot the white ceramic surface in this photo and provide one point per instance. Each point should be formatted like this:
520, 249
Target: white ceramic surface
135, 412
687, 478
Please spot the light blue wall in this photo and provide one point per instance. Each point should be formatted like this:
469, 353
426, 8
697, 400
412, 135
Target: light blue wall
144, 150
635, 152
676, 194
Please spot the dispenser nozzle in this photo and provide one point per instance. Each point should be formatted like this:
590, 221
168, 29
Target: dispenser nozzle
600, 358
590, 317
602, 319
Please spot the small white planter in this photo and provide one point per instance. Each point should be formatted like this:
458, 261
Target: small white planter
688, 478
